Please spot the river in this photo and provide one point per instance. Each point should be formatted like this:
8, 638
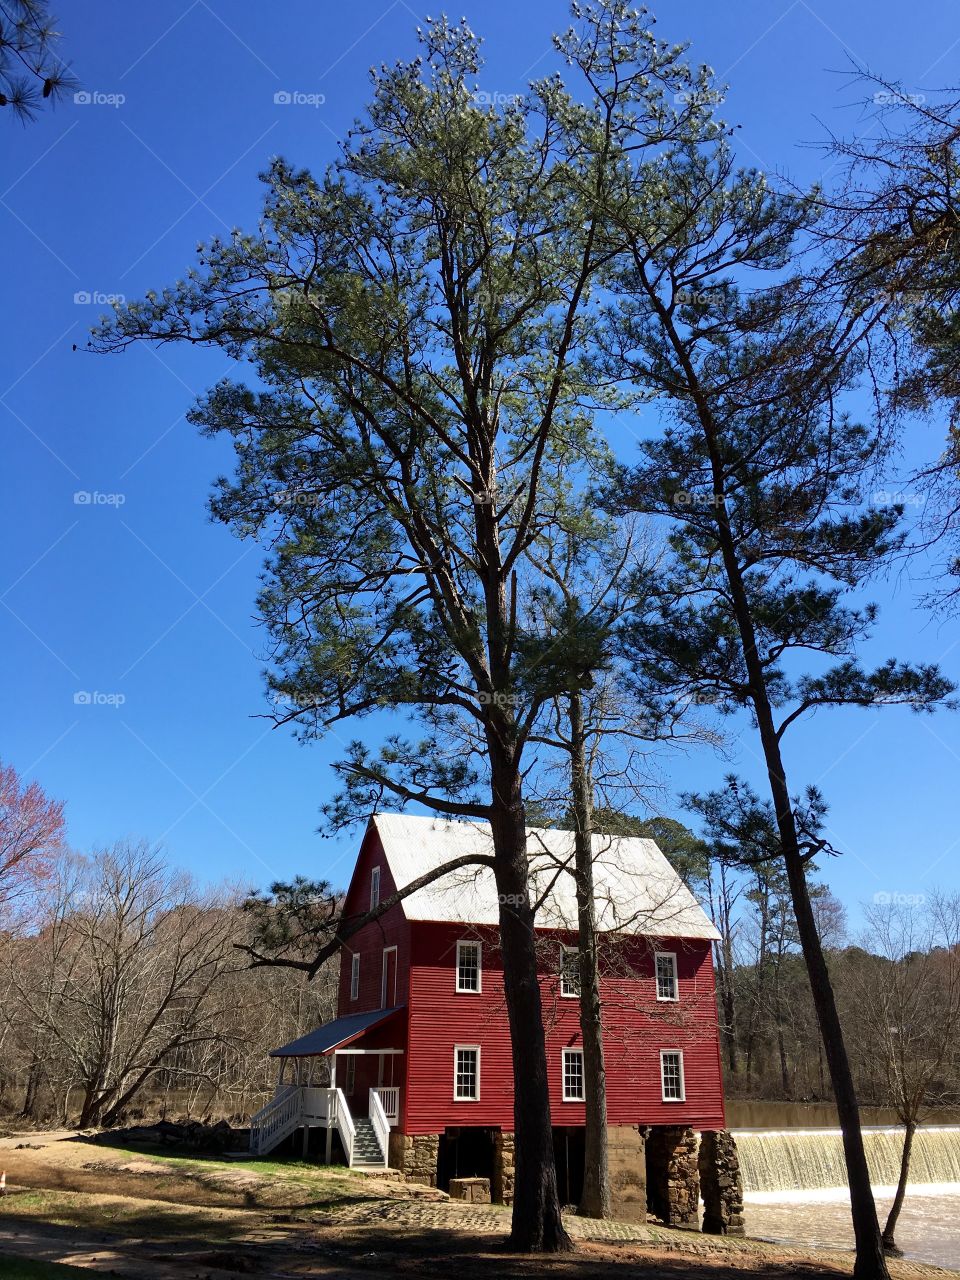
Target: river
795, 1188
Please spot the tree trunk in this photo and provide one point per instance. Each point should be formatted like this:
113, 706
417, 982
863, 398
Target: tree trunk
595, 1195
537, 1225
870, 1262
889, 1230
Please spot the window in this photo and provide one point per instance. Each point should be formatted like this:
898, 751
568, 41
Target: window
355, 975
573, 1075
569, 971
466, 1072
350, 1083
374, 888
468, 966
667, 976
671, 1075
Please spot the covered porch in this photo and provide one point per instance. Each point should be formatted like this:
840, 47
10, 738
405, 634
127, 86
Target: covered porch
345, 1077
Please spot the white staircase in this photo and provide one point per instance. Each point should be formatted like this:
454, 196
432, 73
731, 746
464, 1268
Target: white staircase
365, 1141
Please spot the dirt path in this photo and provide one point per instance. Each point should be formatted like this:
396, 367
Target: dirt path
144, 1217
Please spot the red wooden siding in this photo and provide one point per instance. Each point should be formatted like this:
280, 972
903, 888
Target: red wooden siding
637, 1027
391, 930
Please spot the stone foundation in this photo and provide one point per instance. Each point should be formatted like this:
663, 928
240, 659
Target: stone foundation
504, 1171
673, 1177
415, 1156
721, 1184
626, 1153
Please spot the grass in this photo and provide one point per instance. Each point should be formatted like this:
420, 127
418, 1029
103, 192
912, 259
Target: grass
22, 1269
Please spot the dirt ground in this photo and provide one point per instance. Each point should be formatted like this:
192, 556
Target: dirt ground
72, 1199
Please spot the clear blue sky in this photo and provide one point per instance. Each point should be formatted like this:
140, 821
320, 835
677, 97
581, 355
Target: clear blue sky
136, 595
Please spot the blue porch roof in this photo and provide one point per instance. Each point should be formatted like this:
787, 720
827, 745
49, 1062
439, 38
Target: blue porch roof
333, 1035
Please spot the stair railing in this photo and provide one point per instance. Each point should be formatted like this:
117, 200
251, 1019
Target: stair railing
381, 1125
273, 1122
340, 1117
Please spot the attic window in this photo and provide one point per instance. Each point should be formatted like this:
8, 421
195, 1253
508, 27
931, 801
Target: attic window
468, 966
374, 888
667, 976
569, 972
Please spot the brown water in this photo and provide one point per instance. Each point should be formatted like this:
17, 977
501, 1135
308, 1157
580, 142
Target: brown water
929, 1229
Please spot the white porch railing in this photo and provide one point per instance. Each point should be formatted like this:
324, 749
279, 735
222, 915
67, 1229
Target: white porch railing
340, 1117
389, 1096
381, 1126
276, 1120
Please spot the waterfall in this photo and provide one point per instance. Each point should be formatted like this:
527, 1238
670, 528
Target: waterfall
791, 1160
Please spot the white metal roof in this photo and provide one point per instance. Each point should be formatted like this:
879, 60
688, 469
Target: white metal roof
637, 890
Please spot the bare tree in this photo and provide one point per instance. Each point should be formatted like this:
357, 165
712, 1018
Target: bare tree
907, 1006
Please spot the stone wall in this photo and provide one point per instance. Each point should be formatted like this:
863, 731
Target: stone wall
415, 1156
626, 1152
504, 1171
673, 1178
721, 1184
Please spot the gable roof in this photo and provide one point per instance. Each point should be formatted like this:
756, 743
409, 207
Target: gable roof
637, 891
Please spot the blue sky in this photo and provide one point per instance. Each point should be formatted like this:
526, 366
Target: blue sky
134, 598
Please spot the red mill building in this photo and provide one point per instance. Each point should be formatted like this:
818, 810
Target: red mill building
420, 1074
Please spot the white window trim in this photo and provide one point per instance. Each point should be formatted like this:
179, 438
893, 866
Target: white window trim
384, 970
683, 1081
456, 1049
563, 1075
374, 887
469, 991
672, 957
355, 975
564, 952
350, 1081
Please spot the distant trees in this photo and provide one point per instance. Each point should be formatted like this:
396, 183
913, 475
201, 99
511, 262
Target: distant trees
31, 70
127, 988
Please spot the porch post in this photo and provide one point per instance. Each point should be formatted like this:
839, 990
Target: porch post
333, 1070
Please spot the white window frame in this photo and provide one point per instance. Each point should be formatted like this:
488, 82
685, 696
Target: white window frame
458, 1048
564, 953
567, 1097
355, 975
672, 957
374, 888
384, 970
475, 946
678, 1054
